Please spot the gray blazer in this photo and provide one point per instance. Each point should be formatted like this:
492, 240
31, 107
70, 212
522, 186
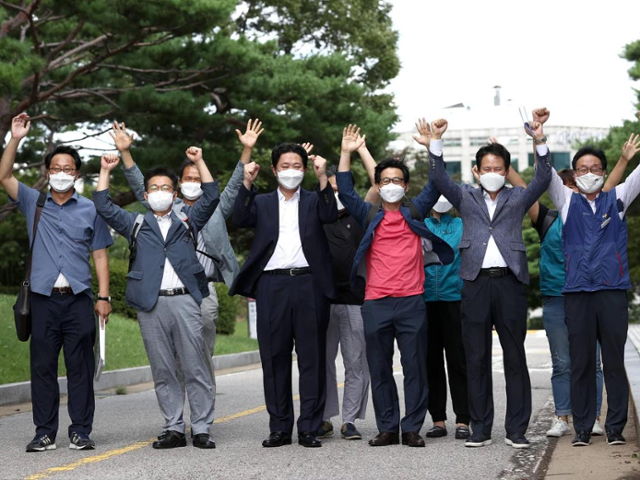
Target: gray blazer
216, 237
506, 225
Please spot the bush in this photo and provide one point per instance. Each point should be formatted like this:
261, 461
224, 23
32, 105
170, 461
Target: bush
118, 269
227, 310
535, 323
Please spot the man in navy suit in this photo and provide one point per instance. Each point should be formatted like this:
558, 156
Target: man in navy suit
288, 272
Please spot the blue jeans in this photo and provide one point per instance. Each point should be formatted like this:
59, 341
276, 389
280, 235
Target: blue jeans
558, 336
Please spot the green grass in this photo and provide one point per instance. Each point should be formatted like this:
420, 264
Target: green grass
124, 345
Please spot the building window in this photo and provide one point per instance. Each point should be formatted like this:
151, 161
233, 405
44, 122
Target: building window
453, 168
559, 160
478, 141
453, 142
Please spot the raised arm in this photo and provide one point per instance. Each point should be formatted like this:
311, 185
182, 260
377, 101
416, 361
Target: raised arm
327, 206
516, 180
373, 196
628, 191
542, 176
431, 137
629, 149
351, 141
202, 210
20, 126
244, 209
123, 141
117, 218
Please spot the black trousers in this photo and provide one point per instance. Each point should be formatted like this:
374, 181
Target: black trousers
401, 318
602, 316
445, 334
500, 301
291, 310
62, 320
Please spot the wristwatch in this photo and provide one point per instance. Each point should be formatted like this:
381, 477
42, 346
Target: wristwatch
541, 141
105, 299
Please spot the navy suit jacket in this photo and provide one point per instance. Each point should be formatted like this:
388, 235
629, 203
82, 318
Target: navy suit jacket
262, 213
145, 277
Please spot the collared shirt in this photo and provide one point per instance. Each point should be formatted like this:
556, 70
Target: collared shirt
561, 195
169, 277
288, 252
65, 237
205, 261
492, 256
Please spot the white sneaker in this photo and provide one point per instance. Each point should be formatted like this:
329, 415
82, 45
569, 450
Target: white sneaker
597, 429
559, 428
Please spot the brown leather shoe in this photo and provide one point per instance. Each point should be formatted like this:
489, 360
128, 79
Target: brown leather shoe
385, 438
412, 439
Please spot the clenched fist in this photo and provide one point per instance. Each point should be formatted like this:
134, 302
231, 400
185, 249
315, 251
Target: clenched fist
194, 154
109, 161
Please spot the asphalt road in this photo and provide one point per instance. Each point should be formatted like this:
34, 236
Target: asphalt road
125, 425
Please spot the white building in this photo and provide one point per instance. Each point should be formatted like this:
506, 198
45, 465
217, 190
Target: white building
470, 128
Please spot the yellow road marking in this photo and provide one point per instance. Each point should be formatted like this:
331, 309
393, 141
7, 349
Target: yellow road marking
138, 445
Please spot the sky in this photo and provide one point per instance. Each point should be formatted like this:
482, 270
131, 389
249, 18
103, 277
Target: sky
563, 55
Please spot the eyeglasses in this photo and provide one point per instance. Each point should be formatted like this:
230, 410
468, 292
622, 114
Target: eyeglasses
67, 170
154, 188
597, 169
395, 180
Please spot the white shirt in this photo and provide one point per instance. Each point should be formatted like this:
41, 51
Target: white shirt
205, 261
169, 277
288, 252
492, 256
560, 195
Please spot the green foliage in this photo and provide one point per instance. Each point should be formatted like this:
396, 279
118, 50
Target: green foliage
227, 310
118, 269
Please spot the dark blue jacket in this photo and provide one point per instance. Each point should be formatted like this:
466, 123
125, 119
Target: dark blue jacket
262, 213
595, 245
438, 252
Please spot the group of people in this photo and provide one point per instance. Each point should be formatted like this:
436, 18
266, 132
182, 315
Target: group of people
330, 269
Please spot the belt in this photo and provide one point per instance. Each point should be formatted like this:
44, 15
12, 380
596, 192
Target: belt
170, 292
61, 290
495, 271
292, 272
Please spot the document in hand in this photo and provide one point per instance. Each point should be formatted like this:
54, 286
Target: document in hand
100, 353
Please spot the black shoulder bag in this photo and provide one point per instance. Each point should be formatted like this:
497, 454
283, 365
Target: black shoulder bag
22, 308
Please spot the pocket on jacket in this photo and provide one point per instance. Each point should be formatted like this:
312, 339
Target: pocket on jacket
518, 246
464, 244
135, 275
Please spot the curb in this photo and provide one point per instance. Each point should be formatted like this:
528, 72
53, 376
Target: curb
13, 393
632, 365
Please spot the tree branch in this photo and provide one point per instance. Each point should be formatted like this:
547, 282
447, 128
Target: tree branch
74, 33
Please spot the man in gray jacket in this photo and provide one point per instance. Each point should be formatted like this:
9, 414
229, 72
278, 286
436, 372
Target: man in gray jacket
494, 272
214, 249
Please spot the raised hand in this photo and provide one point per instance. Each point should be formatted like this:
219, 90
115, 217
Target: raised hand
194, 154
319, 165
109, 161
424, 129
541, 115
536, 130
251, 171
120, 137
307, 147
351, 139
249, 138
438, 128
492, 140
20, 126
631, 147
476, 173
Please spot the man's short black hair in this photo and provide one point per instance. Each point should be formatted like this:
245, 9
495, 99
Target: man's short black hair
185, 164
391, 163
161, 172
588, 150
288, 148
494, 149
64, 149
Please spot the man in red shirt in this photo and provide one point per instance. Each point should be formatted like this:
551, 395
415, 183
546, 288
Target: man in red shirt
391, 257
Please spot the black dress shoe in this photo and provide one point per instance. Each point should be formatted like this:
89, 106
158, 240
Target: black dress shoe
203, 440
412, 439
308, 439
277, 439
462, 433
436, 432
385, 438
171, 439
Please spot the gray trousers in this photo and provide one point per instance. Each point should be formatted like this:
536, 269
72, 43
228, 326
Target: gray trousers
347, 329
209, 308
173, 332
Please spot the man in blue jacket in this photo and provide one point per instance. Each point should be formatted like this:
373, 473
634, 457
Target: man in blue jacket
166, 285
391, 257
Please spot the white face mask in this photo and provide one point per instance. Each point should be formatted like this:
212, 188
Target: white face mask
492, 182
290, 178
191, 190
339, 203
589, 182
160, 201
442, 205
392, 193
61, 182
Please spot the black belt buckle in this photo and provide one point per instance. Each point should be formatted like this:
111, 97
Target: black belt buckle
496, 272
